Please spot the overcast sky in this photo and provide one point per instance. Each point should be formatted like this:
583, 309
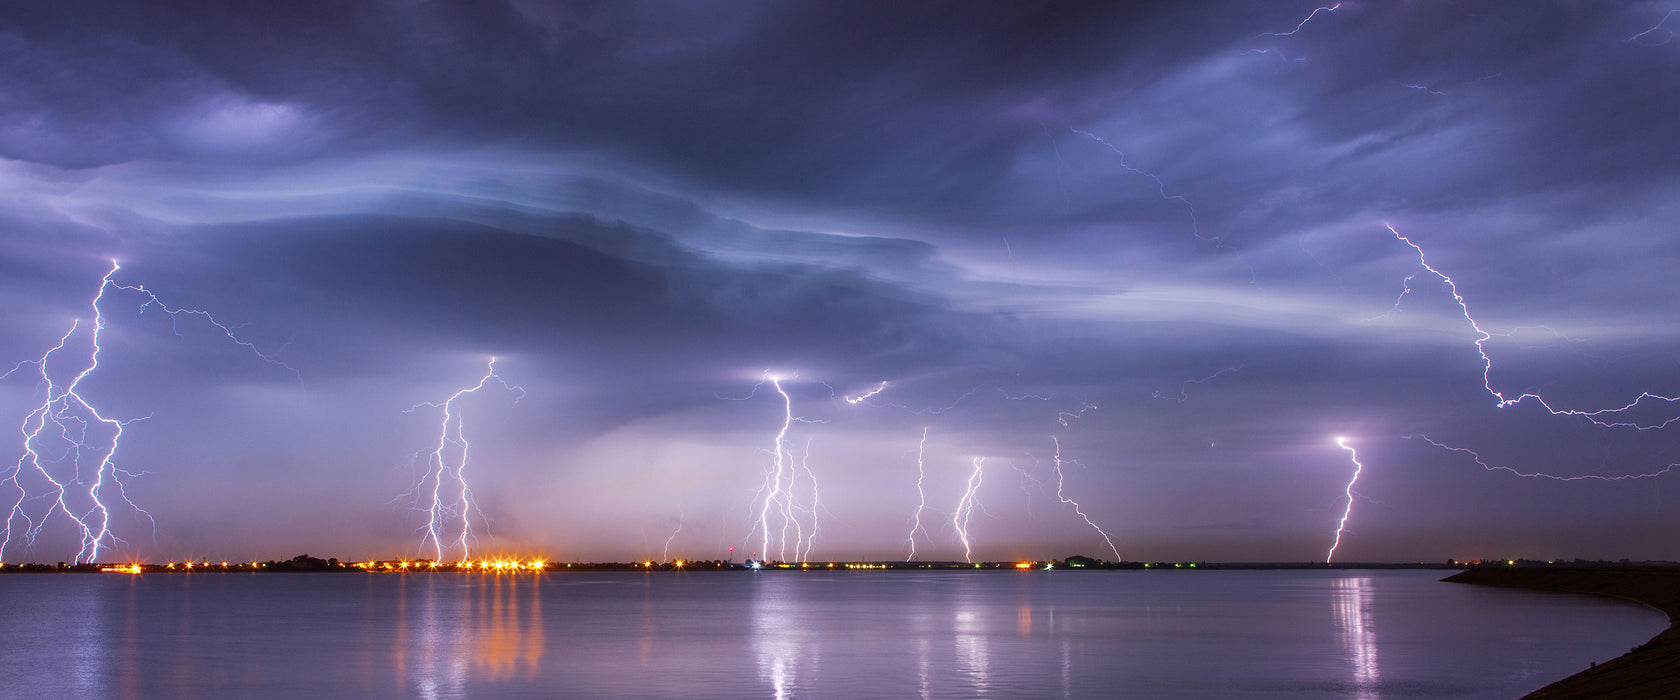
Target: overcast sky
1154, 234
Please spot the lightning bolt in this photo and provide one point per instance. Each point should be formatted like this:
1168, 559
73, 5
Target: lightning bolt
776, 478
921, 495
1424, 88
1067, 418
778, 499
1667, 34
66, 415
1287, 61
665, 555
1304, 21
1541, 475
1341, 525
1160, 186
855, 400
965, 508
1483, 336
1605, 418
1060, 480
458, 502
1184, 388
816, 503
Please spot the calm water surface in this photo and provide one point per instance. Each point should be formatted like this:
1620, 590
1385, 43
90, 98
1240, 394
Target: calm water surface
1210, 634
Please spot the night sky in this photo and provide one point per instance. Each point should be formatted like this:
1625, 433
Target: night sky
1154, 233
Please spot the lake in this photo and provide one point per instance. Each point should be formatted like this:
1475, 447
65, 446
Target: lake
893, 634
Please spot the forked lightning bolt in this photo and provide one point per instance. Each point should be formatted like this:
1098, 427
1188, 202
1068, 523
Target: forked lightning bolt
965, 508
921, 494
447, 465
780, 504
1342, 524
65, 418
1605, 418
1483, 336
816, 503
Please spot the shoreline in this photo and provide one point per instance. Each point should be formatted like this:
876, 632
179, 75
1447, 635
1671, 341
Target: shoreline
307, 564
1648, 670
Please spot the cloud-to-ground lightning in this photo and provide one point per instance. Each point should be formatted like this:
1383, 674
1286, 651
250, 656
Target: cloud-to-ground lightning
1341, 525
65, 417
447, 464
1605, 418
1061, 480
965, 508
1596, 417
1304, 21
780, 503
665, 554
921, 494
810, 539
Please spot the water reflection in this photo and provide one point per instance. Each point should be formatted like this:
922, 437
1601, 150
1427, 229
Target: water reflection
922, 666
794, 636
90, 645
1352, 607
490, 632
1067, 669
973, 658
775, 634
128, 666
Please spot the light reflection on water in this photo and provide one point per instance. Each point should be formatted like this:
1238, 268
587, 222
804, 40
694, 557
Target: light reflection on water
1353, 624
478, 635
793, 635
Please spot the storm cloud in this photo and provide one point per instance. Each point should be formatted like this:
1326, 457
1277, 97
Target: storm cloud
1155, 235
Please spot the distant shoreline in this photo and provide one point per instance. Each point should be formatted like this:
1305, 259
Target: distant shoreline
1648, 671
308, 564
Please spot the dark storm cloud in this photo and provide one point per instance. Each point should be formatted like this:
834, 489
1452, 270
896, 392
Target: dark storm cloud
643, 206
776, 99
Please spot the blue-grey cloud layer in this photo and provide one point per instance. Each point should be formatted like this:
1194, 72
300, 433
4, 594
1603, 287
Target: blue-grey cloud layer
1008, 212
